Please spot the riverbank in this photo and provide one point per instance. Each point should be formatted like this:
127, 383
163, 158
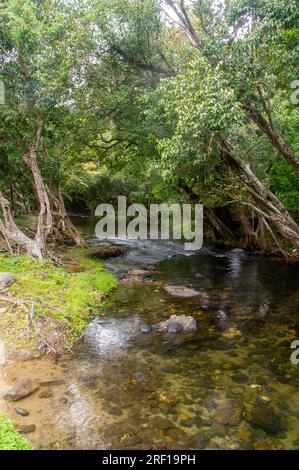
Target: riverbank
46, 307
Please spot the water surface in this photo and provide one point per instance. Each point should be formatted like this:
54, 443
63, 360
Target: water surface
230, 385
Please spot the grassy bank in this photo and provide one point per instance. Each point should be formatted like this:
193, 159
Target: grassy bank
10, 438
60, 300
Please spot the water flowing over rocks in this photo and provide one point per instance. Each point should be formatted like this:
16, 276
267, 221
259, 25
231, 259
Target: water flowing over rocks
111, 337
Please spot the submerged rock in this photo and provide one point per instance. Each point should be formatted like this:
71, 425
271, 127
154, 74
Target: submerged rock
23, 355
175, 328
232, 333
45, 394
25, 388
181, 291
21, 411
265, 417
27, 428
139, 272
52, 383
176, 323
145, 328
6, 279
228, 411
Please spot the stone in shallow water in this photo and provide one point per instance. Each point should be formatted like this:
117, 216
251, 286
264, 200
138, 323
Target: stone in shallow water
45, 394
175, 328
23, 389
228, 412
21, 411
139, 272
265, 417
27, 428
232, 333
52, 383
181, 291
158, 422
145, 328
172, 325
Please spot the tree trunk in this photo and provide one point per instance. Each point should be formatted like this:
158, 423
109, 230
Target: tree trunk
13, 234
274, 136
62, 221
219, 226
266, 203
45, 220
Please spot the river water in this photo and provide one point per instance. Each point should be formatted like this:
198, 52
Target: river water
229, 385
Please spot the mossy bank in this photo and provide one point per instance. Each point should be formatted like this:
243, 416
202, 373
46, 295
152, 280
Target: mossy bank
10, 438
47, 308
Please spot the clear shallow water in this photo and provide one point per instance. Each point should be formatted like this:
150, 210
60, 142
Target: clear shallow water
230, 385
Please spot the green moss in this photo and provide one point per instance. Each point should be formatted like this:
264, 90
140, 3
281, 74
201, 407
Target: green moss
10, 438
56, 293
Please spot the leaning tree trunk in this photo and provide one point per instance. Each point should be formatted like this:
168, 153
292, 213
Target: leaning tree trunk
62, 222
271, 210
219, 226
274, 136
13, 234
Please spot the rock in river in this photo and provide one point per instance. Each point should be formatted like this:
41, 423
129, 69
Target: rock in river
181, 291
145, 328
21, 390
177, 323
6, 279
228, 412
27, 428
21, 411
264, 416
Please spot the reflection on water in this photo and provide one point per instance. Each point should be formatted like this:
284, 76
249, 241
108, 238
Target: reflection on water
229, 385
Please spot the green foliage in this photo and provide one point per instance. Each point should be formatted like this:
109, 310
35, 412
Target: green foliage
58, 293
10, 438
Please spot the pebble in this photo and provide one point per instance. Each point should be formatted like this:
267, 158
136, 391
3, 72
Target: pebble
21, 411
27, 428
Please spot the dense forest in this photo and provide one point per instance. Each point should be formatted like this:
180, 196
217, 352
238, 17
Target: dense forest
156, 100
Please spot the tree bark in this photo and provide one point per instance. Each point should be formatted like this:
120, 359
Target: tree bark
266, 203
12, 233
62, 221
45, 220
274, 136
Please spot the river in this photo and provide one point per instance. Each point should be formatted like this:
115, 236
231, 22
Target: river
229, 385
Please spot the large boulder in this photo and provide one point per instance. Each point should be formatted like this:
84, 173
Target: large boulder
6, 279
176, 323
181, 291
22, 390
